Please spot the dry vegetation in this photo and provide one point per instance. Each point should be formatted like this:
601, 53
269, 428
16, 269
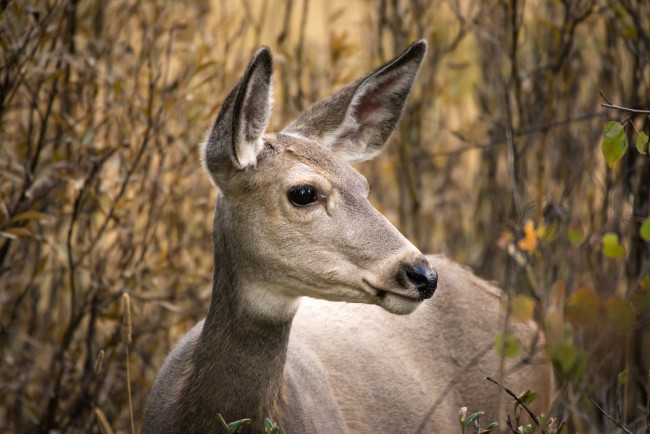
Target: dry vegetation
497, 163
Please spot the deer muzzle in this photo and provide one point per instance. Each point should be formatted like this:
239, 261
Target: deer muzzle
423, 278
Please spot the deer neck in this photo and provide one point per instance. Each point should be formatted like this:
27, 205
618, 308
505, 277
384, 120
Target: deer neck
238, 362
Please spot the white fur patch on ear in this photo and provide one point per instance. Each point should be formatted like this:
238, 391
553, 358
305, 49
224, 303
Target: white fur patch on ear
249, 142
247, 153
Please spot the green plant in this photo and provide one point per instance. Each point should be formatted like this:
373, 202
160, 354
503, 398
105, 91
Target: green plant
473, 420
235, 426
270, 427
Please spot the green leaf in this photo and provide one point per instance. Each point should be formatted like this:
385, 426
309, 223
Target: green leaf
622, 377
474, 417
237, 425
642, 142
232, 426
223, 422
619, 313
462, 416
576, 233
614, 143
569, 361
523, 307
641, 299
525, 429
491, 426
644, 231
270, 427
508, 347
565, 357
613, 131
611, 246
527, 398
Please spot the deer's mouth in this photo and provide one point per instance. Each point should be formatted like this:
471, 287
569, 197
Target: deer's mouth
392, 301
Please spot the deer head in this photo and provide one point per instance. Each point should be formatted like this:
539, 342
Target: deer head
293, 218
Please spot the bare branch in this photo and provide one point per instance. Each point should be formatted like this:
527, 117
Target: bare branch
610, 105
527, 131
614, 421
511, 393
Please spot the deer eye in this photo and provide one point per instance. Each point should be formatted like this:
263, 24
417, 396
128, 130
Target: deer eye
302, 195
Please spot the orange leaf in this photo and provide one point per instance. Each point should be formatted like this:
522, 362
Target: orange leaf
529, 242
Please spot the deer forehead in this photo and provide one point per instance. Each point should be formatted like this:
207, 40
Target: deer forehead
303, 160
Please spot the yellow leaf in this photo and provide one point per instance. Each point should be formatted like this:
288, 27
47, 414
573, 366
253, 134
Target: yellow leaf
611, 246
547, 233
583, 307
529, 242
522, 307
14, 233
30, 215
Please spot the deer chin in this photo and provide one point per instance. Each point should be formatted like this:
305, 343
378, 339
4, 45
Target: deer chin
398, 304
393, 302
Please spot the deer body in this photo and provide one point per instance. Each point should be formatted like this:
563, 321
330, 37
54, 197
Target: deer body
293, 221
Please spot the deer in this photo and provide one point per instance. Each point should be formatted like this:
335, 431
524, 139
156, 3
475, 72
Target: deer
323, 317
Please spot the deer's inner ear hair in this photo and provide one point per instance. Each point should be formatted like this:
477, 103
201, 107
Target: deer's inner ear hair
302, 195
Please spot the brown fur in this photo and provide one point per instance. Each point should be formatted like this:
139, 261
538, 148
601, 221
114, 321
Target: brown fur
375, 353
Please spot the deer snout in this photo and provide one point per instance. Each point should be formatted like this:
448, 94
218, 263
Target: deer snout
424, 279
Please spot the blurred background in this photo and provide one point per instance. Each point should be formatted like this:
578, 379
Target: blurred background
497, 163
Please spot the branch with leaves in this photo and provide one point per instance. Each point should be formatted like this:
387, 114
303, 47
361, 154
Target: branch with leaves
615, 136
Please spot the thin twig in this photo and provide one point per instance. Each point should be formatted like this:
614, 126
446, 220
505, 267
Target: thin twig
625, 109
127, 339
644, 271
647, 407
509, 423
602, 95
614, 421
451, 384
610, 105
511, 393
455, 7
146, 136
520, 133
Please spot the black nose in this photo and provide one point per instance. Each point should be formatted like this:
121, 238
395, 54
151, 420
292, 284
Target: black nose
424, 279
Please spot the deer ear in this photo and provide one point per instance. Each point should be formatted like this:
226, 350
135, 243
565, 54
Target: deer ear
236, 136
356, 121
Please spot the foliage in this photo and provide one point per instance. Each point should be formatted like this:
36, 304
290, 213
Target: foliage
498, 162
235, 426
473, 420
270, 427
539, 424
